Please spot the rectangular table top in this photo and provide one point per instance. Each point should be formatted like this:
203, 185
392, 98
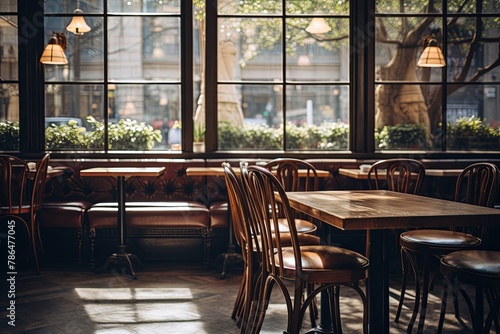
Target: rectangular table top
356, 173
383, 209
122, 171
219, 171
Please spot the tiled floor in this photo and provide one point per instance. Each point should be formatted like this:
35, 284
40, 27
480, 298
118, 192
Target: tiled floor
166, 298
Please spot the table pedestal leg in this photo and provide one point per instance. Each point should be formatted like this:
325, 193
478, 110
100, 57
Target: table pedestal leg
121, 259
378, 283
230, 255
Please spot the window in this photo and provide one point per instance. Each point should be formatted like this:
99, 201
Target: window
122, 79
280, 85
298, 77
437, 108
9, 78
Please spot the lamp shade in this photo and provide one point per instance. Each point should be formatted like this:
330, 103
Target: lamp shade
53, 53
318, 25
78, 26
431, 56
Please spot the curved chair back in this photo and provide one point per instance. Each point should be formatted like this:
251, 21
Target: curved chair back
13, 173
39, 184
478, 184
262, 187
287, 172
400, 174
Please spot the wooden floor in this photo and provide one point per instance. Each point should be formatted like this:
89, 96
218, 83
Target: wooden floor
165, 298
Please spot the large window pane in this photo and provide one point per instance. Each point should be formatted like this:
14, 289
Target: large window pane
460, 34
317, 117
473, 118
143, 48
158, 106
317, 58
250, 49
85, 53
8, 48
9, 76
80, 123
9, 117
298, 110
8, 6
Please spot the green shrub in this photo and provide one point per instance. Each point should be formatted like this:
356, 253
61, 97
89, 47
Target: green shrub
401, 136
328, 136
127, 134
9, 136
65, 136
472, 133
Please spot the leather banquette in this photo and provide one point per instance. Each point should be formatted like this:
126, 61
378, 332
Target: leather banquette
173, 205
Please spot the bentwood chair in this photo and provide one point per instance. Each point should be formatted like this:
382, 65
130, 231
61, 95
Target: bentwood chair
322, 266
399, 174
481, 269
249, 241
287, 172
17, 180
477, 185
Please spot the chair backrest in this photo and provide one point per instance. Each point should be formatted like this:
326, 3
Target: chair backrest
478, 184
239, 210
13, 175
263, 190
400, 174
39, 184
287, 172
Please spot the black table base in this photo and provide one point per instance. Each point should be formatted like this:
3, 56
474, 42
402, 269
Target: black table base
121, 259
120, 262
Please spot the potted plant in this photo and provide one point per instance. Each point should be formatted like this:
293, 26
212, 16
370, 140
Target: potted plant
199, 138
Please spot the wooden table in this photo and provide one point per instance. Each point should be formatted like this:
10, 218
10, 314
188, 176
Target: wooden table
379, 211
219, 171
121, 257
357, 174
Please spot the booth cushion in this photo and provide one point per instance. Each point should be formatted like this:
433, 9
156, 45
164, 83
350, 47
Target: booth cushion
151, 215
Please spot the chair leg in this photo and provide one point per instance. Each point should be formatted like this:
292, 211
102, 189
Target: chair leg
479, 311
493, 315
33, 237
404, 279
425, 295
416, 305
442, 313
336, 299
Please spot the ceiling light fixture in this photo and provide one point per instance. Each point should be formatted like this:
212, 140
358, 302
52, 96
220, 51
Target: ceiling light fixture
78, 26
318, 25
